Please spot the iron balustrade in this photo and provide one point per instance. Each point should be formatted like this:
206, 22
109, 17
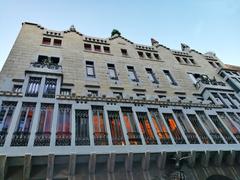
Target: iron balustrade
100, 138
63, 138
3, 135
134, 138
46, 65
20, 139
42, 139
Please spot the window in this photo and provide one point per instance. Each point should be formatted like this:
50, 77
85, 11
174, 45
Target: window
140, 54
90, 69
49, 88
112, 71
87, 47
21, 135
179, 59
97, 48
17, 88
57, 42
33, 86
156, 56
46, 41
100, 134
151, 76
132, 74
124, 52
142, 95
65, 92
185, 60
118, 94
212, 64
192, 61
194, 77
44, 126
63, 135
162, 96
82, 127
93, 92
6, 113
149, 55
218, 64
169, 77
106, 49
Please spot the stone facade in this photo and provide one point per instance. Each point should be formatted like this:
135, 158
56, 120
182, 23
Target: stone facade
75, 106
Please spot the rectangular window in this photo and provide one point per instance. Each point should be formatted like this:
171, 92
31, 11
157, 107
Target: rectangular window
49, 88
100, 134
22, 132
33, 86
146, 128
151, 76
218, 64
63, 135
132, 74
57, 42
194, 77
192, 61
140, 54
228, 101
118, 94
170, 77
112, 71
178, 59
17, 88
46, 41
160, 127
93, 92
82, 127
141, 95
43, 133
132, 132
185, 60
116, 128
124, 52
106, 49
156, 56
97, 48
149, 55
87, 47
212, 64
90, 69
65, 92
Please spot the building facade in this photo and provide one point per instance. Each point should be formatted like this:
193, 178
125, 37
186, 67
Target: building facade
80, 107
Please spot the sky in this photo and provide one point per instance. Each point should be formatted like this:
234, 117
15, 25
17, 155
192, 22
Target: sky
205, 25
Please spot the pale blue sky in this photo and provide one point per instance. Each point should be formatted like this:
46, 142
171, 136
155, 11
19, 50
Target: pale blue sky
205, 25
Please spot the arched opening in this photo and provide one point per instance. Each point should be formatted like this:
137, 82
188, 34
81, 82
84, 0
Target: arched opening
218, 177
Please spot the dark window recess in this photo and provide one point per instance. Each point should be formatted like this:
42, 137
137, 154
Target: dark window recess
17, 88
65, 92
97, 48
124, 52
151, 76
33, 86
46, 41
170, 77
132, 74
48, 60
218, 64
57, 42
140, 54
49, 88
185, 60
93, 92
112, 71
182, 97
140, 95
82, 127
192, 61
118, 94
212, 64
222, 74
178, 59
149, 55
55, 60
87, 46
90, 69
156, 56
161, 96
106, 49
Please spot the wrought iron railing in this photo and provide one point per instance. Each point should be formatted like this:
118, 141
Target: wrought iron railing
82, 141
134, 138
20, 138
100, 138
63, 138
46, 65
42, 139
3, 135
217, 138
164, 137
192, 138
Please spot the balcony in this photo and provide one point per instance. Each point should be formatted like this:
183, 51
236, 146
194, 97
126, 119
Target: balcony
45, 68
42, 139
192, 138
134, 138
3, 135
81, 141
118, 141
100, 138
164, 137
20, 139
217, 138
63, 138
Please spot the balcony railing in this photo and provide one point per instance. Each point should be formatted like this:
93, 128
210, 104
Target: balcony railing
100, 138
237, 135
204, 80
3, 135
46, 65
134, 138
192, 138
164, 137
118, 141
217, 138
81, 141
205, 139
63, 138
42, 139
20, 139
